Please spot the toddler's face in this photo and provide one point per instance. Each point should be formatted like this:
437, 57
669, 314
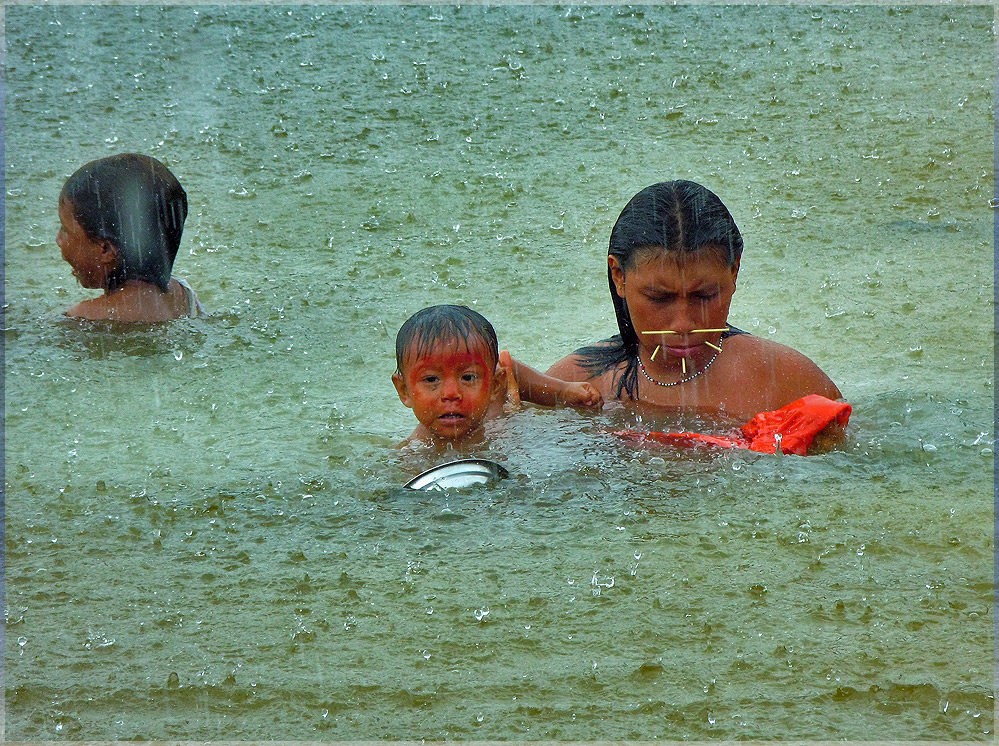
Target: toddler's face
88, 258
449, 388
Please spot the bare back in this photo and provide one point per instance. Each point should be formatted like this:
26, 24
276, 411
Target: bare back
139, 302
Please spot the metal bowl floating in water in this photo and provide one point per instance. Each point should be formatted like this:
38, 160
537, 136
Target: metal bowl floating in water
458, 475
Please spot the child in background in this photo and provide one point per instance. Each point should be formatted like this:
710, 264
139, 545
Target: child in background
454, 378
122, 218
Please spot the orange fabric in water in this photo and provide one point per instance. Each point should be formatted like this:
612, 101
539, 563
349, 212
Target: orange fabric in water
797, 424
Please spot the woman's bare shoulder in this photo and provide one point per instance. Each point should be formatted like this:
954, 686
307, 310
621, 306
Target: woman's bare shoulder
789, 371
571, 368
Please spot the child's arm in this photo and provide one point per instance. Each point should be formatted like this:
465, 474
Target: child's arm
538, 388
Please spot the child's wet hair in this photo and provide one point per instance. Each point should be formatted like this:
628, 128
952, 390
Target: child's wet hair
136, 203
444, 324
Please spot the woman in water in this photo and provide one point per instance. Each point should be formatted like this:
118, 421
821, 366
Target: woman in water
672, 265
122, 218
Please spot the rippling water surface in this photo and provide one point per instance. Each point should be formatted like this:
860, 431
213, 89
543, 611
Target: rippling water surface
205, 535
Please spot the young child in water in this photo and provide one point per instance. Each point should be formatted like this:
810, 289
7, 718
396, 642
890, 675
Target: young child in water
122, 218
453, 376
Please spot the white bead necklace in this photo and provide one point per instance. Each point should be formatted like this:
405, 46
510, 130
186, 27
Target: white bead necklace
682, 380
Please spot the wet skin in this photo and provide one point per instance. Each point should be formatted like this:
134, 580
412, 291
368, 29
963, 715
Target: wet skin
682, 297
686, 298
450, 389
91, 260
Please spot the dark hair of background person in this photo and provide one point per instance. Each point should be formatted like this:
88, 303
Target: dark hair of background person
136, 203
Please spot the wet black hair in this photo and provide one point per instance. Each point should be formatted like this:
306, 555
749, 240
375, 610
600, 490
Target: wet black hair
675, 218
135, 203
440, 324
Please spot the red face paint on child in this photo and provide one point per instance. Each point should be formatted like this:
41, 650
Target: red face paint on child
449, 387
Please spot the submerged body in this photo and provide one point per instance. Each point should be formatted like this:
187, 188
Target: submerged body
452, 374
673, 265
121, 220
141, 302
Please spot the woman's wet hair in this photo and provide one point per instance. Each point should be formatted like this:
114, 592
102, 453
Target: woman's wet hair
444, 324
135, 203
680, 219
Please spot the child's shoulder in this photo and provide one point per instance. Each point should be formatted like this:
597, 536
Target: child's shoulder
144, 303
95, 309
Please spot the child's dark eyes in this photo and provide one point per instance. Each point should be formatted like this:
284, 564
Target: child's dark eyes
435, 379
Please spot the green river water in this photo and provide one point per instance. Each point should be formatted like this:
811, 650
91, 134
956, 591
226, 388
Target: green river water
205, 534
